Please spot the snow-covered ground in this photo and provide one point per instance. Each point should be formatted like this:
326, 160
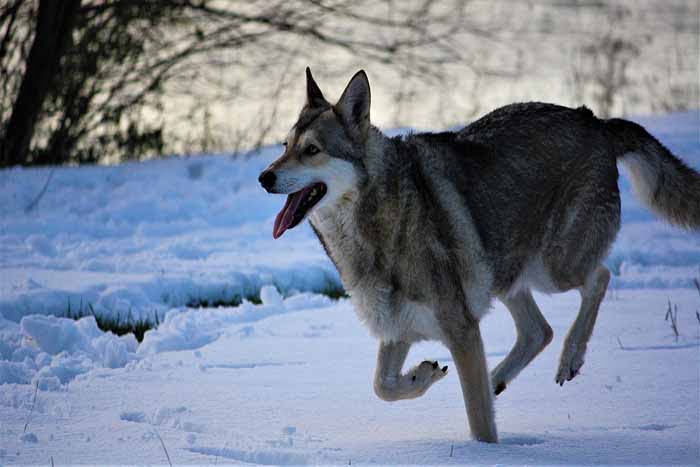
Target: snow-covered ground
289, 381
296, 388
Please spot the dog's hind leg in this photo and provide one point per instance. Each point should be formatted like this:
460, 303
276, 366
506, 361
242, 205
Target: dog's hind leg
574, 351
467, 350
534, 333
391, 385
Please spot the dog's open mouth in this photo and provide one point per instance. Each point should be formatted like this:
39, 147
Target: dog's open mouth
296, 207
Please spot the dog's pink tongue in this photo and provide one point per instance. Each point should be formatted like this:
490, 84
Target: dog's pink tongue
286, 215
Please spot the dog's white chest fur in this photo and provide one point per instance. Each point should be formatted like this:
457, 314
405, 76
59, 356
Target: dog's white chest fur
410, 321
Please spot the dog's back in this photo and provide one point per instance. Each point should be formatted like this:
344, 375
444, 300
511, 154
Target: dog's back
534, 178
541, 184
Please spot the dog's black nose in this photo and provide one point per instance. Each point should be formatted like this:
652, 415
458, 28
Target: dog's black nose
267, 179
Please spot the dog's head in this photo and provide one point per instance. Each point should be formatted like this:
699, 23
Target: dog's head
323, 156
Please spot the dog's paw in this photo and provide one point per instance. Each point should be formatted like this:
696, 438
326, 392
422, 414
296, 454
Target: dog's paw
570, 365
427, 373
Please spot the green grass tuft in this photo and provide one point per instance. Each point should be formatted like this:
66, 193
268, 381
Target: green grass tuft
234, 301
334, 292
116, 325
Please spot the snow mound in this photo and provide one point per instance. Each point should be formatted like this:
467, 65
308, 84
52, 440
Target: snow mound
194, 328
50, 352
67, 336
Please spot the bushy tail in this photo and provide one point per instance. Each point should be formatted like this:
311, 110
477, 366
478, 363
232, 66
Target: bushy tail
661, 180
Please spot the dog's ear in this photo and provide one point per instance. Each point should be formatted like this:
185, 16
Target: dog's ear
314, 96
353, 105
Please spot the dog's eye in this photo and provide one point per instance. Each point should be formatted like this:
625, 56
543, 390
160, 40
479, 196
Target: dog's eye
312, 150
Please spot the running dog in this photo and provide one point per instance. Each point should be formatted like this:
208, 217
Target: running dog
426, 229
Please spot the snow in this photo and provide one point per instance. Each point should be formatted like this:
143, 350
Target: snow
76, 346
195, 328
29, 438
51, 351
138, 239
289, 380
297, 388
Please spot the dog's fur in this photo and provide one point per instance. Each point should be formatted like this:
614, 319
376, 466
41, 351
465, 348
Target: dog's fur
426, 229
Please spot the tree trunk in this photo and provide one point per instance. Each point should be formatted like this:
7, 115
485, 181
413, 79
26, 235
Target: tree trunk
54, 26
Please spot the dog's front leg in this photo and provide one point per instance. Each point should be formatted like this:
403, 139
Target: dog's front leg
467, 351
391, 385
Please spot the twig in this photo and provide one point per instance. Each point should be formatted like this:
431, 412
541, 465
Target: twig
51, 461
36, 200
36, 390
619, 342
164, 448
452, 448
696, 281
674, 321
672, 313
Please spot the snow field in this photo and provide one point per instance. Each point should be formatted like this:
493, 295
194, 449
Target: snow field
296, 388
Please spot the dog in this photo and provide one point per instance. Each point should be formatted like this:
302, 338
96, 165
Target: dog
427, 229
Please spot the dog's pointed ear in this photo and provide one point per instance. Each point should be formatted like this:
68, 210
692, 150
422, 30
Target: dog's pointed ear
314, 96
354, 104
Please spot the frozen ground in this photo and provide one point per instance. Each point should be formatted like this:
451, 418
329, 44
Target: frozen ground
289, 381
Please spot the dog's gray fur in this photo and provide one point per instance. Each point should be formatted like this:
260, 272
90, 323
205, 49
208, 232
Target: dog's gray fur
426, 229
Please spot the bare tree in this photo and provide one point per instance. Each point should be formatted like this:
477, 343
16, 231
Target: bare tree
96, 67
54, 28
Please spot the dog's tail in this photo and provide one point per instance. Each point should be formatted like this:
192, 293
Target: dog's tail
661, 180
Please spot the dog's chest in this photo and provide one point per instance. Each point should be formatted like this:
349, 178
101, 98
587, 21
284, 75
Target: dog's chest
391, 322
389, 315
338, 234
